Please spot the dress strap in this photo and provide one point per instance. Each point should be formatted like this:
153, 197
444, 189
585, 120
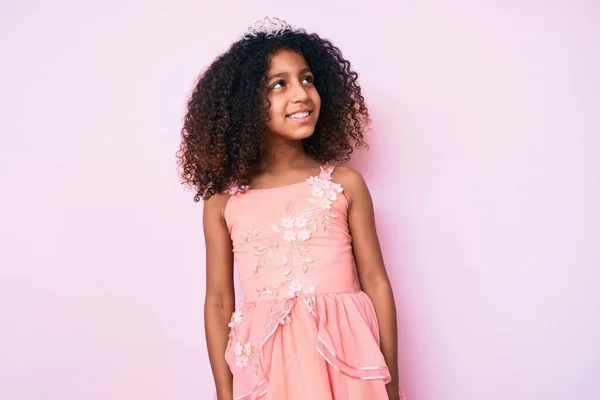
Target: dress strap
327, 170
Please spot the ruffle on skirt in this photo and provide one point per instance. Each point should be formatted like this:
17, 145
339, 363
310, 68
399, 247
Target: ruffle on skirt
313, 346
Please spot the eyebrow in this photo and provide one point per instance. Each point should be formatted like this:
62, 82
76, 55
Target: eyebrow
305, 70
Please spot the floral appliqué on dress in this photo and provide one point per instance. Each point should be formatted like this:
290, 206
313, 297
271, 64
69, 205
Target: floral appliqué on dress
245, 353
294, 231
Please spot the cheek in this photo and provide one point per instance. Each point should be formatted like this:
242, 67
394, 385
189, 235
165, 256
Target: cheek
277, 107
317, 105
316, 99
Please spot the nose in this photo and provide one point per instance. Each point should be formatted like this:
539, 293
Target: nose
299, 93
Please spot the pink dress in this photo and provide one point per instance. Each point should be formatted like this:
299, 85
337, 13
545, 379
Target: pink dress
305, 330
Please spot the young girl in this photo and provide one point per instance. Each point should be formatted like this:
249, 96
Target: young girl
266, 125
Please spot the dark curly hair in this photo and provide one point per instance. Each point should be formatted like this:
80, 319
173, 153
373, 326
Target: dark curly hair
222, 134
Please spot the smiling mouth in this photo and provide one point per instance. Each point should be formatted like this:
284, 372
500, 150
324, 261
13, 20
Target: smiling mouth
299, 115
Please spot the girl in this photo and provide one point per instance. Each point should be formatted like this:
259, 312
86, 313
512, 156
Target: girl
265, 127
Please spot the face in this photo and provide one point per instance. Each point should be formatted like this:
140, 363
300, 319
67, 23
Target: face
294, 100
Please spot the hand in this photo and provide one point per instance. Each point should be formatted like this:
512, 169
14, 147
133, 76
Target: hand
392, 392
395, 392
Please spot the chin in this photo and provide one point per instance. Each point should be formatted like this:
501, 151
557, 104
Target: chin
295, 134
301, 134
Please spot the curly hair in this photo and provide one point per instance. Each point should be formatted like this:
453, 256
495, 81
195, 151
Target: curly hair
222, 134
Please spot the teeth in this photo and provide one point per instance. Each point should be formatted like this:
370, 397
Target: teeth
300, 115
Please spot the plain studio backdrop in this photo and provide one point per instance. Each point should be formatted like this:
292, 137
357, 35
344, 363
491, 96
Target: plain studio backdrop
483, 167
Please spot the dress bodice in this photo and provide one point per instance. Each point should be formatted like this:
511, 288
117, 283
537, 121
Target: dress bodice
292, 239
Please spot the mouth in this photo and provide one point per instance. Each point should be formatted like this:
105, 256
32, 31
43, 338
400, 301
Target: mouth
300, 115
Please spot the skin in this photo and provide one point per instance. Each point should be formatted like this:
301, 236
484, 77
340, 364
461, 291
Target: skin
370, 266
219, 302
291, 89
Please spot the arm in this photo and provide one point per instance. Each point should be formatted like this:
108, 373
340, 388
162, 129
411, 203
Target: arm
219, 302
371, 269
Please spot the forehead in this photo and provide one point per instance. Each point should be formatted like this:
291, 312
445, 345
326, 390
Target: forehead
287, 60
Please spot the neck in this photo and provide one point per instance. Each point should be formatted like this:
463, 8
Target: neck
284, 154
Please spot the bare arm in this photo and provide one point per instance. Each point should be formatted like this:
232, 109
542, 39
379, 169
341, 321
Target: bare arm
219, 303
371, 269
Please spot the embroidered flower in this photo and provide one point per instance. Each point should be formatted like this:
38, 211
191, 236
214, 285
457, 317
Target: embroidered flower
238, 315
287, 222
236, 318
326, 173
309, 289
313, 180
241, 361
332, 195
326, 204
289, 236
294, 288
301, 222
242, 354
337, 187
238, 350
303, 235
318, 192
325, 184
248, 348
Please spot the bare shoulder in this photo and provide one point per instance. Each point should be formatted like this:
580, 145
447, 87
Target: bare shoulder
215, 205
346, 174
351, 180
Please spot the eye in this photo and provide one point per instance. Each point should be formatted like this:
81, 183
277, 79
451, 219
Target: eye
308, 79
277, 85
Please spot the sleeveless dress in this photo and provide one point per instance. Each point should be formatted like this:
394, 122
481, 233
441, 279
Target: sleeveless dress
304, 330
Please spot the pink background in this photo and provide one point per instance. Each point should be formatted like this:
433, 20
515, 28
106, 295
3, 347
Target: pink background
484, 168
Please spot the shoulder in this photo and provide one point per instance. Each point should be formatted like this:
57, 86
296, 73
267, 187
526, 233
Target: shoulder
346, 171
352, 181
348, 177
214, 206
